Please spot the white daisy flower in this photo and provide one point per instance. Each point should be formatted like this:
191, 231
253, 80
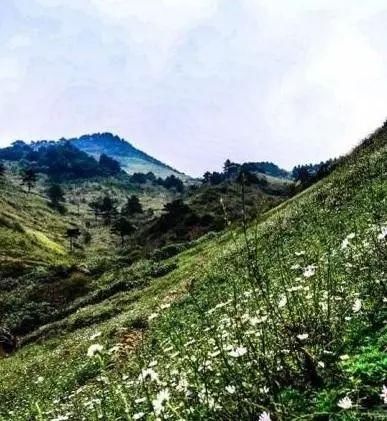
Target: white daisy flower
238, 352
265, 416
158, 403
94, 349
384, 395
345, 403
356, 305
309, 271
230, 389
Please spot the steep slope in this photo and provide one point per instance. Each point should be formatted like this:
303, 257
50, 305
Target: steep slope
285, 317
30, 232
131, 159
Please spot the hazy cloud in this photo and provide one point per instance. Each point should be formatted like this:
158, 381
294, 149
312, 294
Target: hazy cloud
195, 82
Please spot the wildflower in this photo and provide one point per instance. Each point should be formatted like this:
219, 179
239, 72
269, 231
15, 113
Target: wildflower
152, 316
383, 233
158, 403
230, 389
345, 403
345, 244
303, 336
295, 288
282, 302
256, 320
138, 416
148, 373
238, 352
40, 379
183, 385
94, 349
265, 416
384, 394
95, 335
309, 271
356, 305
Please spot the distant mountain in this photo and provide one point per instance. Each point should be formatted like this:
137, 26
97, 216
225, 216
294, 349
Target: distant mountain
263, 168
131, 159
267, 168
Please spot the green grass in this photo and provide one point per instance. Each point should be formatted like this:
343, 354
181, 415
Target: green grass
287, 317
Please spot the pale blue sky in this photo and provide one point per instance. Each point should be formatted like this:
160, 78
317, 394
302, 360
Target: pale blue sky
194, 82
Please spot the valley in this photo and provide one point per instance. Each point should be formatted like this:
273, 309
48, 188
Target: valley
243, 284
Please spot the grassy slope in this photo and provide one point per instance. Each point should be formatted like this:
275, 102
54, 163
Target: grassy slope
31, 233
350, 200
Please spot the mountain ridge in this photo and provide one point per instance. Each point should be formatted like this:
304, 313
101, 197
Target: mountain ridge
131, 158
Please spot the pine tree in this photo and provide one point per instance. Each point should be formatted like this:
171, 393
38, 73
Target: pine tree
123, 228
56, 195
72, 234
132, 206
29, 178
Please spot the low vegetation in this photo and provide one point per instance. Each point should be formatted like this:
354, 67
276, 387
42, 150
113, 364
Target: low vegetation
282, 317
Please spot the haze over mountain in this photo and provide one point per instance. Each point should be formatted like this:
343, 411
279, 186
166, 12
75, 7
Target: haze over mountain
131, 159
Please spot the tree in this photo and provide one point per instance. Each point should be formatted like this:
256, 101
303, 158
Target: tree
72, 234
95, 208
132, 206
174, 182
29, 178
247, 178
108, 208
301, 173
109, 165
104, 206
2, 169
122, 227
138, 178
207, 177
56, 195
216, 178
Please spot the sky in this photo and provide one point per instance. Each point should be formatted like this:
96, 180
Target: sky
194, 82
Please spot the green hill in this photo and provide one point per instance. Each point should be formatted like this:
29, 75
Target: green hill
131, 159
285, 316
